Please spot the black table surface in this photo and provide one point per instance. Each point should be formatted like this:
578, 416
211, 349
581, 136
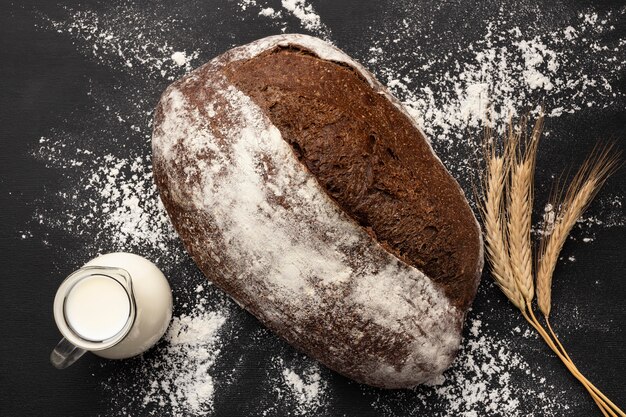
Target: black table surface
45, 80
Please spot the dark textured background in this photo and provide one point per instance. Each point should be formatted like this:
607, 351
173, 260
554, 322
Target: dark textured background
43, 80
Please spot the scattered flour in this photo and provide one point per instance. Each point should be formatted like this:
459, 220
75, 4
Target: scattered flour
570, 33
299, 385
184, 371
491, 377
612, 209
300, 9
548, 220
504, 72
176, 378
307, 389
110, 202
303, 11
180, 58
270, 12
128, 39
306, 393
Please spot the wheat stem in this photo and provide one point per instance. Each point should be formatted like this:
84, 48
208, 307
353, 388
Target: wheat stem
598, 397
556, 339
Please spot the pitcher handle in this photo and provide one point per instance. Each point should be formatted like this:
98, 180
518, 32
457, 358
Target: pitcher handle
65, 354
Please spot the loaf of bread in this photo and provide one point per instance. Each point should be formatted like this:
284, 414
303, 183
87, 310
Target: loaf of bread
304, 190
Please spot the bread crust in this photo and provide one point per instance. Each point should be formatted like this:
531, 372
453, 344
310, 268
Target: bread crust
261, 223
370, 159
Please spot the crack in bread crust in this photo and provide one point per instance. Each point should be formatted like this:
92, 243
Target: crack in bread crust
370, 159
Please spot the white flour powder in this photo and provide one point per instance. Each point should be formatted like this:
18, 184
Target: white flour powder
110, 202
486, 379
305, 391
183, 377
504, 70
300, 9
178, 373
128, 40
304, 12
304, 388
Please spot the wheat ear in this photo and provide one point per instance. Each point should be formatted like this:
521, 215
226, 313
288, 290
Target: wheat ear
519, 220
592, 175
594, 172
493, 183
507, 223
520, 203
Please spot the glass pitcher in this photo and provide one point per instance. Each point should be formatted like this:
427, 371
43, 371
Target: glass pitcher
117, 306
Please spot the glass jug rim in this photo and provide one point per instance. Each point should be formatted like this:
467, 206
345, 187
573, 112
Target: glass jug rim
118, 274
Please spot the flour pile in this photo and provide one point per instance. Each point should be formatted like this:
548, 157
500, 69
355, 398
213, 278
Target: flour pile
300, 384
489, 377
178, 373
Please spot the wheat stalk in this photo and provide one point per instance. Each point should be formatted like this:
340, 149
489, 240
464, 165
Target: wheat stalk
586, 183
604, 404
506, 208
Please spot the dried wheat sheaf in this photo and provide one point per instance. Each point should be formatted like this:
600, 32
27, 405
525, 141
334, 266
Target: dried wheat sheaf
506, 209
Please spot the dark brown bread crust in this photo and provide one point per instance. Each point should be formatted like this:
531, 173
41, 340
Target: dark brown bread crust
273, 230
371, 160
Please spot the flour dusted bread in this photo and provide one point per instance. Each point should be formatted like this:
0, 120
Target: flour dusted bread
302, 188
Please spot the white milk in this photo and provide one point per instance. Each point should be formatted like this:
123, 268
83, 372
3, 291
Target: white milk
97, 308
153, 298
117, 306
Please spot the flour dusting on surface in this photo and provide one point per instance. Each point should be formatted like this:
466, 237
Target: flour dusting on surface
177, 373
505, 71
302, 385
486, 379
446, 77
305, 389
112, 203
303, 11
185, 377
126, 39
